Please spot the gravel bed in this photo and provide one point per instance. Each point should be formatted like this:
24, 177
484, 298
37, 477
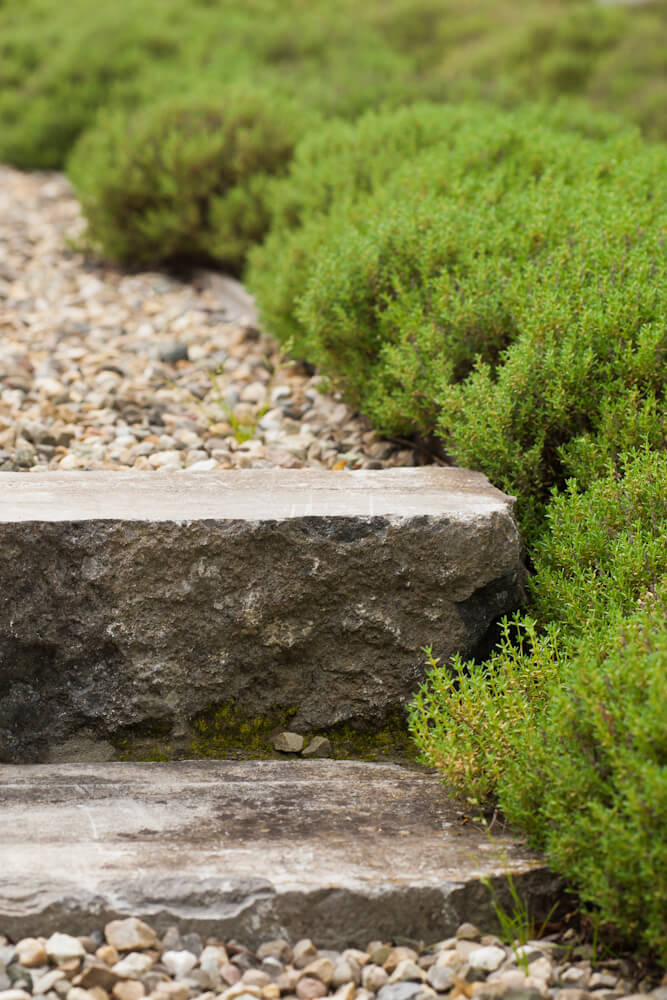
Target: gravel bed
100, 369
128, 962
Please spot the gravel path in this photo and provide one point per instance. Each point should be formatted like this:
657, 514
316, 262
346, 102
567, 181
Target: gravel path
100, 369
128, 962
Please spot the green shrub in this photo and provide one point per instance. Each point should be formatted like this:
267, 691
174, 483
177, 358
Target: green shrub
603, 549
61, 63
337, 167
505, 289
185, 180
564, 727
590, 783
605, 54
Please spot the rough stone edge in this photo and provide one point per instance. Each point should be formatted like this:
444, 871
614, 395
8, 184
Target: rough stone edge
251, 911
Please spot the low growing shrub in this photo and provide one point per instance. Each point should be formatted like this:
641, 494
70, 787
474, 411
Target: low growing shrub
185, 180
590, 782
61, 63
505, 289
564, 726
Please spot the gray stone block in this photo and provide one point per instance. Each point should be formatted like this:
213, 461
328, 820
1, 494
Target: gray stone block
338, 851
133, 602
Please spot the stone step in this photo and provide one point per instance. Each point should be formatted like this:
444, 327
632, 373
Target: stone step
140, 609
339, 851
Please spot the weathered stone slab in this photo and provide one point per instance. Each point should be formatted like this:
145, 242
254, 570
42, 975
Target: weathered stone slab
134, 602
339, 851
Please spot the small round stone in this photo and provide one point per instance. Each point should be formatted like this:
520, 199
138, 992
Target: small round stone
309, 988
61, 948
129, 935
31, 952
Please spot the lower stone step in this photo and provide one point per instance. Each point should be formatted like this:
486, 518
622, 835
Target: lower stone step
145, 607
339, 851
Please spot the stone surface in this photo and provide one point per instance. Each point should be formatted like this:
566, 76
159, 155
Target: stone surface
288, 742
487, 959
132, 603
319, 746
129, 935
339, 850
62, 947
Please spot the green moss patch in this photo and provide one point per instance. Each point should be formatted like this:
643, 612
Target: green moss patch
227, 733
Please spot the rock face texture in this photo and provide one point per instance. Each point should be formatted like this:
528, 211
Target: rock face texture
339, 851
132, 601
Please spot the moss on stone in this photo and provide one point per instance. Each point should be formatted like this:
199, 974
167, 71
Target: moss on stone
226, 733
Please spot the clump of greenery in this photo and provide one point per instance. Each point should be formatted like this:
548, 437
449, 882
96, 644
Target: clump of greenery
185, 180
499, 280
480, 293
598, 52
61, 63
590, 781
564, 727
324, 198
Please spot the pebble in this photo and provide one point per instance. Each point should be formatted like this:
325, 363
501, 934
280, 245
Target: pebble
133, 965
289, 743
31, 952
129, 989
487, 959
179, 963
105, 370
407, 971
469, 966
309, 988
319, 746
400, 991
129, 935
61, 948
304, 950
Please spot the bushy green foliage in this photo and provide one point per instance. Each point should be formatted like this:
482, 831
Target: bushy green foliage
185, 180
590, 782
61, 63
505, 288
618, 62
564, 727
499, 280
603, 549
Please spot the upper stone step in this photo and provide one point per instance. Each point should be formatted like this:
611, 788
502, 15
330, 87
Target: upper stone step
135, 603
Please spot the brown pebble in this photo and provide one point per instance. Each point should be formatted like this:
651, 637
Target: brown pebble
171, 991
129, 989
397, 955
107, 954
31, 952
309, 988
468, 932
322, 969
304, 953
131, 934
230, 973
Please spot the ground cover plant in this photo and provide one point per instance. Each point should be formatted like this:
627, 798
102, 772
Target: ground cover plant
502, 291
